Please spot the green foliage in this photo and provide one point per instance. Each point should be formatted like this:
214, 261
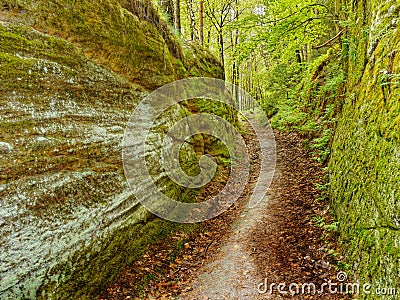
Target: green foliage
178, 249
320, 145
310, 126
332, 253
321, 187
288, 117
343, 266
319, 221
332, 227
226, 161
278, 82
284, 27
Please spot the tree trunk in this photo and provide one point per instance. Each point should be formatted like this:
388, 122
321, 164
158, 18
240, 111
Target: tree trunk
201, 25
298, 56
221, 48
177, 15
192, 21
167, 9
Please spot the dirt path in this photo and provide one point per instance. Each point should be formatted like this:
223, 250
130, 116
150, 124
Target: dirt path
231, 255
231, 273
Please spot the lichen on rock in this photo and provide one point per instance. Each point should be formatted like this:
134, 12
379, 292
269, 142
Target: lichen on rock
71, 74
365, 165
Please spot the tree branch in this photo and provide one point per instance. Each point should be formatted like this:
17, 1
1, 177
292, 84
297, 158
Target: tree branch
329, 41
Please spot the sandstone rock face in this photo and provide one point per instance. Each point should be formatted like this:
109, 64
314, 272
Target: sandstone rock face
71, 75
349, 100
365, 162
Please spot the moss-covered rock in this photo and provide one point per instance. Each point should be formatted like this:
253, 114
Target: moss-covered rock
200, 63
365, 163
71, 73
350, 99
127, 42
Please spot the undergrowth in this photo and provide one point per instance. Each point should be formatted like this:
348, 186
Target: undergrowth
311, 108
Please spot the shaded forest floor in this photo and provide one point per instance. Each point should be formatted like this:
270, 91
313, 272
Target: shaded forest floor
234, 255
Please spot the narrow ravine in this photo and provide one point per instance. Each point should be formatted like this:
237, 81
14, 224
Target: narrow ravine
234, 255
276, 242
232, 273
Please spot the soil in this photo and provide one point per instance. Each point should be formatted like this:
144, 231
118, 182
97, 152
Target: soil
239, 254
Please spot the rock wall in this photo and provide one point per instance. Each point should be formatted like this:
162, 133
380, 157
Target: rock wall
365, 160
71, 73
348, 105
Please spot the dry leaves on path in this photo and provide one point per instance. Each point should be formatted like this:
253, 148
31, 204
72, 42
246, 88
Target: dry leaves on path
286, 246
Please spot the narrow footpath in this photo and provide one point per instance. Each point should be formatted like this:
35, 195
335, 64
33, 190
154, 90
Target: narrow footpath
245, 253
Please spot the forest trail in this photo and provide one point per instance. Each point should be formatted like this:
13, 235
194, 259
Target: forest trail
232, 273
234, 253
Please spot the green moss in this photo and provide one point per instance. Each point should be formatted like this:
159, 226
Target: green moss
83, 68
131, 40
355, 91
109, 35
86, 275
200, 63
365, 153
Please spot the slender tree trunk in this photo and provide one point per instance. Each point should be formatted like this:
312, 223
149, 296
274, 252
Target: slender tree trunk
221, 48
234, 34
250, 63
233, 63
201, 25
298, 56
167, 8
235, 71
192, 20
235, 41
177, 15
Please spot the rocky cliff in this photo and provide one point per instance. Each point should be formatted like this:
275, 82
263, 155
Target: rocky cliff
71, 74
348, 105
365, 161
